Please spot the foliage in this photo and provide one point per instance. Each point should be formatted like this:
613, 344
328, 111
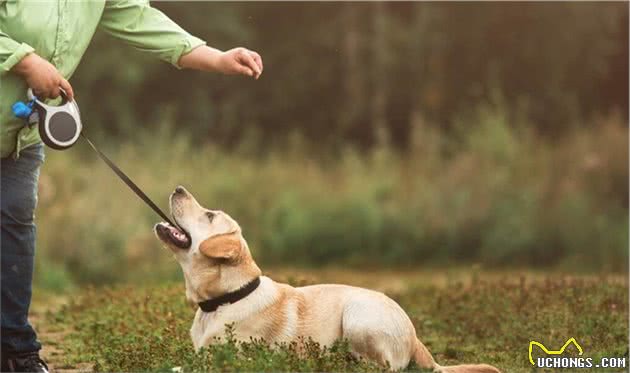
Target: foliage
366, 72
484, 318
492, 194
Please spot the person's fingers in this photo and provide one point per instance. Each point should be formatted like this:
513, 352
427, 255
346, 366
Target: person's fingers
39, 93
240, 69
54, 91
247, 60
45, 94
44, 90
258, 60
68, 88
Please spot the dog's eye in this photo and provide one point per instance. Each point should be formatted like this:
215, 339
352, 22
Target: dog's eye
210, 215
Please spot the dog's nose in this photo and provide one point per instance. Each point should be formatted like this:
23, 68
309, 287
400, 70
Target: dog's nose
180, 190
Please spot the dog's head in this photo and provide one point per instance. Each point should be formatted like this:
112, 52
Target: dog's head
209, 246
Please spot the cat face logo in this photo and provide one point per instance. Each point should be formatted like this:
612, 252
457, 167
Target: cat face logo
553, 352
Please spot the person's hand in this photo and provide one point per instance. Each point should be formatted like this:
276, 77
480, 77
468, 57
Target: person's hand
240, 61
42, 77
235, 61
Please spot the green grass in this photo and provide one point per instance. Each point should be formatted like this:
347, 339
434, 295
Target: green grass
463, 319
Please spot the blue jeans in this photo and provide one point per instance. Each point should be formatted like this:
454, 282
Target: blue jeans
18, 194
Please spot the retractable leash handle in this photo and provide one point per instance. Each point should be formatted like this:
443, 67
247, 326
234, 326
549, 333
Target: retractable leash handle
60, 128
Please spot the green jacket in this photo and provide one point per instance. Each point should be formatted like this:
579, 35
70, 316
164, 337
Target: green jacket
60, 31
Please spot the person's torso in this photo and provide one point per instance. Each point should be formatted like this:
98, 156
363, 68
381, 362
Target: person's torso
60, 32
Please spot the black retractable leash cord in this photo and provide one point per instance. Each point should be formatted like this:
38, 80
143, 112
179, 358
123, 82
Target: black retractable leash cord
128, 181
60, 128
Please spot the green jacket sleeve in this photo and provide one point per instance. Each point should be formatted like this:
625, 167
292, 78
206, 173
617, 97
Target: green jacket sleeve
11, 52
147, 29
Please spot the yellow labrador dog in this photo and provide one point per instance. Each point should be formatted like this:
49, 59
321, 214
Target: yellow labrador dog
222, 277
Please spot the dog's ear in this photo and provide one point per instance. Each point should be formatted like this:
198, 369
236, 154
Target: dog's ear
227, 247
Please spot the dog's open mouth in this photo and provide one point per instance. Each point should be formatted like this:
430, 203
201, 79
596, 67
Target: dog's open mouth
175, 235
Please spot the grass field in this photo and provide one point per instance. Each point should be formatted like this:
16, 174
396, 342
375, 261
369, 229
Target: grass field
462, 316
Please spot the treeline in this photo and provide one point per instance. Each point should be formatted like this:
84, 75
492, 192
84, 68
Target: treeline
367, 73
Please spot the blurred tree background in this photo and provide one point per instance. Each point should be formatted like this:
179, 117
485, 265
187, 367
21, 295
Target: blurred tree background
362, 71
384, 134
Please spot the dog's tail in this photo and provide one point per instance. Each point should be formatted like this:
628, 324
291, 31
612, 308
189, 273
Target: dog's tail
423, 358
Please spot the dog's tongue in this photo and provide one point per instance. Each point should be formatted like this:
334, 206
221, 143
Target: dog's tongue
177, 233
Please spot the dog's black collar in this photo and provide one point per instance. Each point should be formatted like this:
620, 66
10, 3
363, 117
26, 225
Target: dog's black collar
211, 305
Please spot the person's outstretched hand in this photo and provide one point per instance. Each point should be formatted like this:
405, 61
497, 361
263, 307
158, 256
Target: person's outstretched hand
42, 77
235, 61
